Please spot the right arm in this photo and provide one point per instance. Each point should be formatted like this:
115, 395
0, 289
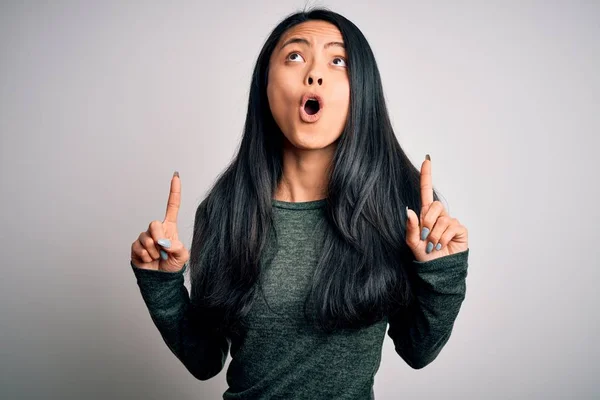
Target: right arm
201, 349
158, 260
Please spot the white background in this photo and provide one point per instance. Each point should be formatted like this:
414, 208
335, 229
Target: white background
101, 101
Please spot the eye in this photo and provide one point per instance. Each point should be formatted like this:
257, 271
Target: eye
296, 58
343, 61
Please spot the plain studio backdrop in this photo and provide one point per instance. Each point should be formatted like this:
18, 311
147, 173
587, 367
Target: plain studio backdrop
101, 101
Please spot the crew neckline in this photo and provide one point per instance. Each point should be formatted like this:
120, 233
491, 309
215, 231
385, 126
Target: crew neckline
302, 205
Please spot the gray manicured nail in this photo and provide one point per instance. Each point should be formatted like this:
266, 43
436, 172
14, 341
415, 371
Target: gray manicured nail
163, 255
429, 247
164, 243
438, 246
424, 233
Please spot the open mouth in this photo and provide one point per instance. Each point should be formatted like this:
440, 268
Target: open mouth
311, 106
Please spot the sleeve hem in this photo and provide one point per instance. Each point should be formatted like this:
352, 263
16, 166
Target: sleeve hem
157, 275
453, 260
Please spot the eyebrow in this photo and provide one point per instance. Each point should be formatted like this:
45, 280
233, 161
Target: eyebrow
306, 42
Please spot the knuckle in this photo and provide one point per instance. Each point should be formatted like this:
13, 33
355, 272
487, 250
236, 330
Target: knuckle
148, 242
135, 247
154, 225
143, 254
428, 221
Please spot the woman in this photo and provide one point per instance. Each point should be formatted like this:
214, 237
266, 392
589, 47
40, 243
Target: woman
305, 249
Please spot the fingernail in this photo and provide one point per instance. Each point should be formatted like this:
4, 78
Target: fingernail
424, 233
163, 255
429, 247
427, 157
176, 173
165, 243
438, 246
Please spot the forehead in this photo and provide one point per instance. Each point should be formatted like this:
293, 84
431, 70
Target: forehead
314, 31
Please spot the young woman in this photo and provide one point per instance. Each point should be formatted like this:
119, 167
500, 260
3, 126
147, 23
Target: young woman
307, 246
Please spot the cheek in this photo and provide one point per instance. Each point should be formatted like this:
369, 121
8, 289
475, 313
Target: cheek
278, 104
273, 95
278, 92
341, 98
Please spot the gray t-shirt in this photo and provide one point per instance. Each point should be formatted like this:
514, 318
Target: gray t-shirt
280, 356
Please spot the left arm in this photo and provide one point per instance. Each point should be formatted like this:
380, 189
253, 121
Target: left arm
421, 330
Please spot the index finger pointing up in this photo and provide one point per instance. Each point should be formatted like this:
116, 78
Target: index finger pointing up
426, 182
174, 199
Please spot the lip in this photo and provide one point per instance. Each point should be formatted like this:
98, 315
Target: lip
304, 116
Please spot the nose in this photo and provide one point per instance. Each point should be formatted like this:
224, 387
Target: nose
313, 77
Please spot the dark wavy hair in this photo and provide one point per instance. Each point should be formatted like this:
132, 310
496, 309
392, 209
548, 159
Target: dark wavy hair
362, 273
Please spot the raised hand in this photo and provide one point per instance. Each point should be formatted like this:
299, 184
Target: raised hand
159, 248
433, 234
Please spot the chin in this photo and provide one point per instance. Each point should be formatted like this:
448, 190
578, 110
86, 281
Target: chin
308, 140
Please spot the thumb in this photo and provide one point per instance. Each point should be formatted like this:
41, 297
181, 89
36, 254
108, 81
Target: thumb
413, 235
175, 250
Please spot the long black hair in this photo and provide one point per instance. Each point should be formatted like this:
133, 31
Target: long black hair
363, 271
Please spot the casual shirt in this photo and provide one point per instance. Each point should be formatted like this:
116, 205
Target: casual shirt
281, 356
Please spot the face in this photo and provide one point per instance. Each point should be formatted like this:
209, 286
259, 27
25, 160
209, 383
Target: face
308, 60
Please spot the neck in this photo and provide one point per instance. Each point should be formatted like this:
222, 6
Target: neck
305, 174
